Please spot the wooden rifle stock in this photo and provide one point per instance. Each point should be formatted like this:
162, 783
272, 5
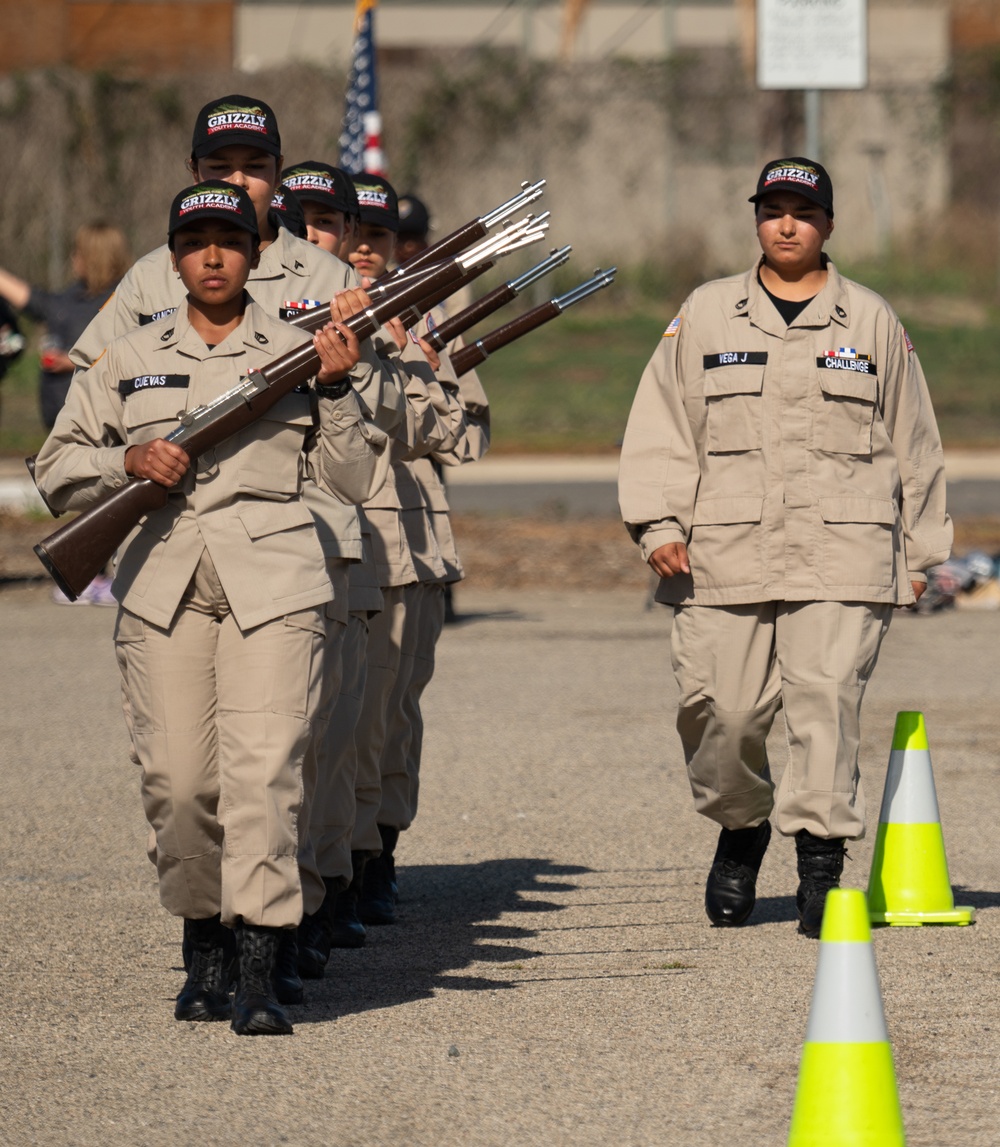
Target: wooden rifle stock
75, 554
472, 355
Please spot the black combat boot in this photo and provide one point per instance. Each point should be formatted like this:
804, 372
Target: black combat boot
346, 929
256, 1010
820, 864
314, 932
731, 891
379, 892
211, 952
288, 986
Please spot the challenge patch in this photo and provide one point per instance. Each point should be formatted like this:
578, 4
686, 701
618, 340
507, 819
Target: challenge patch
847, 358
673, 328
735, 358
145, 320
127, 386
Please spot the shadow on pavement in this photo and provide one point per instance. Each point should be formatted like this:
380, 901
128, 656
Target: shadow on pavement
447, 917
976, 898
774, 910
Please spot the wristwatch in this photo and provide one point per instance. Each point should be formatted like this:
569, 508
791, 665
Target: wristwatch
334, 390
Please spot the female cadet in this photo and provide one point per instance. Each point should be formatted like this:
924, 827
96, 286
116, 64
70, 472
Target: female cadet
782, 473
221, 628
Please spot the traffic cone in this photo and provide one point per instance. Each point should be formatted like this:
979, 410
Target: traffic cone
909, 882
846, 1096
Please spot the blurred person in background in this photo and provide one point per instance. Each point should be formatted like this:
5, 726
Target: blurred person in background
100, 257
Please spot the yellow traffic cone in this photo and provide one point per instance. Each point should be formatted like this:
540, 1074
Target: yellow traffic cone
846, 1095
909, 882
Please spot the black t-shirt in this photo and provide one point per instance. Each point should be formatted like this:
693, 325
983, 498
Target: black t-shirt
789, 309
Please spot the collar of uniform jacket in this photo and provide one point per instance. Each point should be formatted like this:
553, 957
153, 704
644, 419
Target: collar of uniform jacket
291, 253
831, 305
180, 335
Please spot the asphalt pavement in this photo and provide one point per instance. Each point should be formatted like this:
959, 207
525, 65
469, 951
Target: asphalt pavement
553, 979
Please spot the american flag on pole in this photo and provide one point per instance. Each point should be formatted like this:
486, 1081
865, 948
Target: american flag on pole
361, 136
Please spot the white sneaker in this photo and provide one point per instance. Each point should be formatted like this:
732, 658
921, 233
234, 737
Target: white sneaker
99, 592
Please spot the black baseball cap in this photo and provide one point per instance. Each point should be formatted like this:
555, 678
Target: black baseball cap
803, 176
287, 210
323, 184
414, 218
213, 199
377, 202
235, 120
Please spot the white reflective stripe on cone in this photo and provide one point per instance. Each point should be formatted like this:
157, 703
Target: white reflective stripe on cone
846, 1003
910, 796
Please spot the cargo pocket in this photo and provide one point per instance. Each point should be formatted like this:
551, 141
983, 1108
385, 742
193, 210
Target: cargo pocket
287, 559
847, 411
858, 545
270, 450
725, 542
734, 418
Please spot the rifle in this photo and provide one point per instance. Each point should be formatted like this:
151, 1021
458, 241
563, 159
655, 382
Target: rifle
472, 355
498, 297
77, 552
458, 240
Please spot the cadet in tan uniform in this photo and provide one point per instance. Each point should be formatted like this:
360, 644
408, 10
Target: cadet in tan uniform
221, 628
236, 139
782, 472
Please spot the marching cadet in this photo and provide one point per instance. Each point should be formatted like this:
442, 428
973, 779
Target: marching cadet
329, 203
236, 139
782, 473
221, 627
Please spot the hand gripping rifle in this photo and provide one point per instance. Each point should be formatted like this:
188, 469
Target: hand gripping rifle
498, 297
77, 552
472, 355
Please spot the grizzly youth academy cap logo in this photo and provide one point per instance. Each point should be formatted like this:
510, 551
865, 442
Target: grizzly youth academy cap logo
798, 174
373, 197
235, 121
300, 181
806, 176
230, 117
201, 197
216, 200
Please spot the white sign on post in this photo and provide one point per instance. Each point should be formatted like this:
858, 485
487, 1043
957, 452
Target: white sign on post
812, 44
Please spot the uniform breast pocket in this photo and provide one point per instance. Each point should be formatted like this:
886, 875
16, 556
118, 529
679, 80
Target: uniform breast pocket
270, 450
150, 414
734, 414
846, 413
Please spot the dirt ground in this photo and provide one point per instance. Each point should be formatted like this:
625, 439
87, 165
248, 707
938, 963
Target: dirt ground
499, 553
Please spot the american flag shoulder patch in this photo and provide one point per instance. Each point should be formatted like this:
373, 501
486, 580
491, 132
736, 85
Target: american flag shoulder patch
906, 339
673, 328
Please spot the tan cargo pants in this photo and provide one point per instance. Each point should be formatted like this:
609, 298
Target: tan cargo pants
220, 720
736, 666
331, 825
385, 636
400, 765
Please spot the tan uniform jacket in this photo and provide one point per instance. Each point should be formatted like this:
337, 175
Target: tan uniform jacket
290, 271
797, 462
244, 504
471, 441
403, 539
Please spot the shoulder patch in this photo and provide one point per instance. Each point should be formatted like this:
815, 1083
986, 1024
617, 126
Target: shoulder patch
673, 328
906, 339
